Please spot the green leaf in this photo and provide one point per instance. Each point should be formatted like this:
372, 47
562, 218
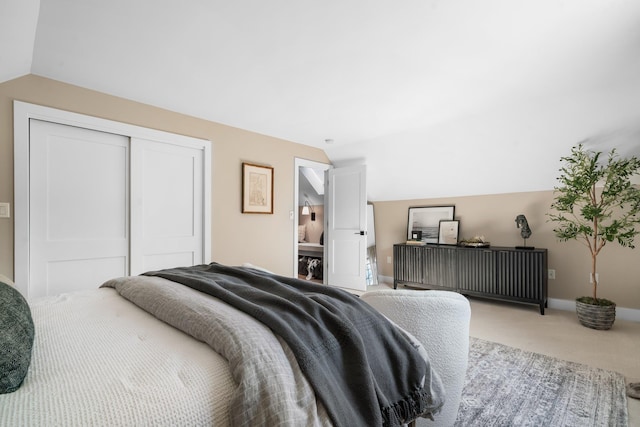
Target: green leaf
595, 199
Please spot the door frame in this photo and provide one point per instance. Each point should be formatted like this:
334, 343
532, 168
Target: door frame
22, 114
298, 163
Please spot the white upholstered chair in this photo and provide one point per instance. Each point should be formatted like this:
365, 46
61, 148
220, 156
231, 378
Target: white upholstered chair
440, 321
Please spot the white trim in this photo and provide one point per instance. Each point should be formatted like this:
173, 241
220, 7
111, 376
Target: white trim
23, 112
33, 111
631, 314
623, 313
561, 304
206, 202
385, 280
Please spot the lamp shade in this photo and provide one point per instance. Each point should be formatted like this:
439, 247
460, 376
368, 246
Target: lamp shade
305, 210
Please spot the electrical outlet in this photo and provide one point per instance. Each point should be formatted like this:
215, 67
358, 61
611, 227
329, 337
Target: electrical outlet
552, 273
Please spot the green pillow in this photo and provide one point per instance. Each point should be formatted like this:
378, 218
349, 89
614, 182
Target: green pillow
16, 338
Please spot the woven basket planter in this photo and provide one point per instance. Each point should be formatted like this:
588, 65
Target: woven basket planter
596, 316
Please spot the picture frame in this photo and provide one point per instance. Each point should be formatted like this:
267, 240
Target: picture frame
257, 189
426, 219
448, 232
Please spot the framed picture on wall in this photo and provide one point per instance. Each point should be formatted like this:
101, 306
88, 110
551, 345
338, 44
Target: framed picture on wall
257, 189
449, 230
426, 219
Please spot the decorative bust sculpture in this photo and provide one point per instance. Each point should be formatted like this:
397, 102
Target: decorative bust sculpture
525, 230
523, 225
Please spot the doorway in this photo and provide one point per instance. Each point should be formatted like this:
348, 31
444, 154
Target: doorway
308, 220
330, 222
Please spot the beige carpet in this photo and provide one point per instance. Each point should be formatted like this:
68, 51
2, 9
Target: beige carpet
558, 334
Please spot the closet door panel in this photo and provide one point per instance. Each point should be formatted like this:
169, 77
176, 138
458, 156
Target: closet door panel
75, 205
78, 197
167, 205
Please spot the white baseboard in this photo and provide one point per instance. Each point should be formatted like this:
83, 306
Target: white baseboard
385, 279
631, 314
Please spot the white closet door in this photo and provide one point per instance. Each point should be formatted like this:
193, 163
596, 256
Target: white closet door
78, 213
167, 205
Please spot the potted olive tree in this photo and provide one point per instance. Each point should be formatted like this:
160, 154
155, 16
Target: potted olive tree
596, 203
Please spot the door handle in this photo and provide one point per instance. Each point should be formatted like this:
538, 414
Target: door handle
361, 232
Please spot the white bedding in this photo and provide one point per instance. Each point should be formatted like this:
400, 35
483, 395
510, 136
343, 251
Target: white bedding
143, 372
98, 359
271, 389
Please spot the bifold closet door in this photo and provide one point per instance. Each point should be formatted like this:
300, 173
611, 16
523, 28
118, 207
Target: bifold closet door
78, 208
167, 219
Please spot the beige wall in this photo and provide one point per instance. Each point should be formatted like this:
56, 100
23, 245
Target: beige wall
265, 240
315, 228
493, 216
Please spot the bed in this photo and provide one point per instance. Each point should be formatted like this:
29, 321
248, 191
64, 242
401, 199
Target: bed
147, 350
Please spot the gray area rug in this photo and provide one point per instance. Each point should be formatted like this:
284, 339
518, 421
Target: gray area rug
506, 386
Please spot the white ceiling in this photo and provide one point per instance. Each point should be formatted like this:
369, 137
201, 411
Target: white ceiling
438, 98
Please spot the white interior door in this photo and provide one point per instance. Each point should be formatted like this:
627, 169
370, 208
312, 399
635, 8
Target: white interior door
167, 206
79, 209
346, 225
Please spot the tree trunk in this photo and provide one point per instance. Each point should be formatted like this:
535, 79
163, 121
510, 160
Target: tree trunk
594, 277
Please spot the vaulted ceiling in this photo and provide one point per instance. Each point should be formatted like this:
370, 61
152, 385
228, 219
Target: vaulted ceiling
438, 97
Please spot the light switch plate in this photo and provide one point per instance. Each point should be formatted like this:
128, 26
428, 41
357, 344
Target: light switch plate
5, 210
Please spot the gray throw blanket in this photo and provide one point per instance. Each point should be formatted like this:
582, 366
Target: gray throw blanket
363, 369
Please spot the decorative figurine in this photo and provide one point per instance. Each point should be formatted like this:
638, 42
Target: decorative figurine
525, 231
